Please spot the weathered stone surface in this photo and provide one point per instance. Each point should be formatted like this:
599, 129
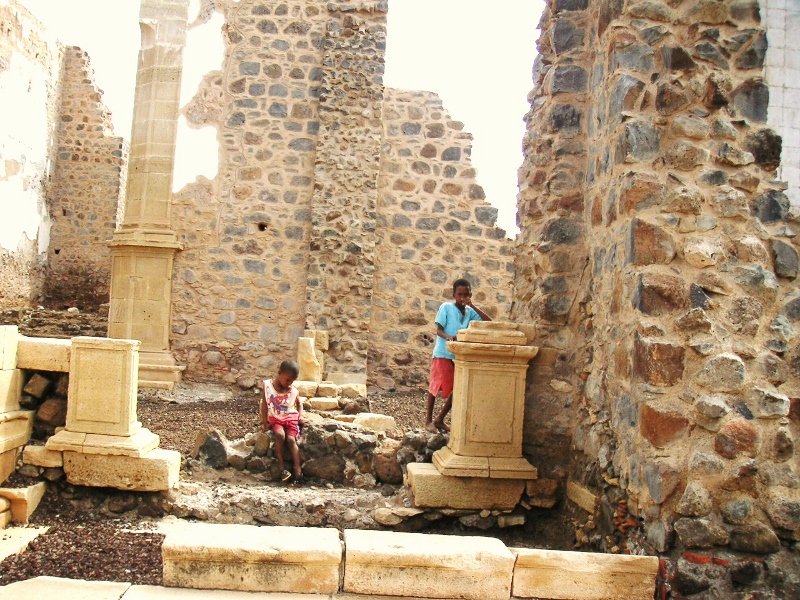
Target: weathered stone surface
765, 145
661, 478
751, 100
786, 259
756, 538
722, 373
695, 502
700, 533
736, 438
661, 422
649, 244
658, 363
659, 294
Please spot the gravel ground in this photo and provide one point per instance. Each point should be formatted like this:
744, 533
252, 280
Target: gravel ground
83, 543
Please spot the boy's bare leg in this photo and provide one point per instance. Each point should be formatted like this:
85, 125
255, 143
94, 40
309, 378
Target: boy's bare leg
294, 450
280, 440
429, 426
439, 422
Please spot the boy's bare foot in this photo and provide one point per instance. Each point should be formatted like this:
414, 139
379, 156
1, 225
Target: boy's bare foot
431, 428
440, 426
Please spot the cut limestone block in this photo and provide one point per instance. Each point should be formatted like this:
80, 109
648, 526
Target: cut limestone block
433, 490
307, 360
40, 456
582, 497
65, 589
38, 386
323, 403
327, 389
15, 428
153, 592
583, 575
5, 518
353, 390
103, 384
43, 354
24, 500
141, 443
8, 463
375, 421
158, 470
10, 390
9, 337
301, 560
306, 388
427, 565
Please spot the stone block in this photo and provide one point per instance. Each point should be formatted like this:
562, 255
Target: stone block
583, 575
431, 489
582, 497
321, 338
37, 386
43, 354
10, 390
353, 390
306, 388
14, 541
375, 421
15, 429
9, 337
656, 362
323, 403
8, 463
103, 384
301, 560
492, 336
137, 445
24, 500
5, 518
42, 457
342, 378
307, 360
66, 589
661, 422
327, 389
427, 565
157, 471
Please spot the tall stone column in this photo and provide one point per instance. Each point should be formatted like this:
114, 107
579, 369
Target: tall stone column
144, 246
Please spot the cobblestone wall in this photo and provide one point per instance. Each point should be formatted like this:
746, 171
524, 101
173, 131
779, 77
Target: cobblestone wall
86, 192
658, 257
29, 87
339, 205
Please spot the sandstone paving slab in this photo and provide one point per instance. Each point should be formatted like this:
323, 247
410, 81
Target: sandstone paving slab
557, 574
153, 592
158, 470
427, 565
24, 500
253, 558
10, 390
63, 589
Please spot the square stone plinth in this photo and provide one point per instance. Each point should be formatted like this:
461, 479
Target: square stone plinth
43, 354
42, 457
427, 565
495, 467
302, 560
10, 390
156, 471
583, 575
431, 489
140, 444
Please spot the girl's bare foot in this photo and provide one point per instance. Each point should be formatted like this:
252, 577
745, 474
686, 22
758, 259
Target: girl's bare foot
440, 426
431, 428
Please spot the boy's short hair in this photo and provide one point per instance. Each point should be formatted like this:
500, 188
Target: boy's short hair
289, 366
461, 283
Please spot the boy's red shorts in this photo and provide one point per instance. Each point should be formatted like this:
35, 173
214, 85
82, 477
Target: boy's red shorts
443, 375
287, 423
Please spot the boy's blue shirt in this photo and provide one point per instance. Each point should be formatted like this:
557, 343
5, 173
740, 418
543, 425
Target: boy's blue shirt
451, 320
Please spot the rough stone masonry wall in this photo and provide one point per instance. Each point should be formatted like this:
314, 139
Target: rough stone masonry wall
30, 88
86, 193
434, 226
675, 349
303, 219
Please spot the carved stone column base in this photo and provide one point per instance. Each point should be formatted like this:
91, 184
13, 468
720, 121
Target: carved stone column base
453, 465
158, 370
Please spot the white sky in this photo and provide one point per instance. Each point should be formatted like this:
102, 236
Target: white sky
476, 55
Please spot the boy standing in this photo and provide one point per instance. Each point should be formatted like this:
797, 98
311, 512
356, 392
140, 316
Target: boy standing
281, 411
451, 317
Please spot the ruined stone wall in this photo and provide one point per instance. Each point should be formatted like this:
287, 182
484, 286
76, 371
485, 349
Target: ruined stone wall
680, 331
322, 194
434, 226
86, 191
30, 63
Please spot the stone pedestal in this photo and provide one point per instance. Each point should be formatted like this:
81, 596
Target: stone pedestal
488, 404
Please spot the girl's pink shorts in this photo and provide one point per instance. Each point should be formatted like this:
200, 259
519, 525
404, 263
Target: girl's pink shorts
443, 374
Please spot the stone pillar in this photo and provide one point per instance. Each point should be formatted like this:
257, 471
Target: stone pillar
144, 246
488, 402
